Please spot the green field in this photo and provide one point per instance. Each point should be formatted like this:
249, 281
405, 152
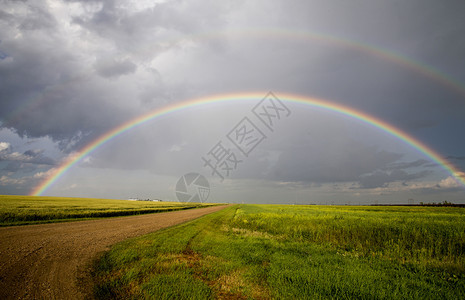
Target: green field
294, 252
22, 210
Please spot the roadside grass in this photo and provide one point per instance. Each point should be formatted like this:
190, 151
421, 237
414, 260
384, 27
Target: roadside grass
23, 210
294, 252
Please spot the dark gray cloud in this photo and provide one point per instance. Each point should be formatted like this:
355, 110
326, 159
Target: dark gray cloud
456, 157
37, 18
52, 76
330, 164
13, 166
382, 179
37, 157
112, 68
405, 165
73, 70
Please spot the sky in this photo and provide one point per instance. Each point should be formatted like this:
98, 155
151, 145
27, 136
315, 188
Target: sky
73, 71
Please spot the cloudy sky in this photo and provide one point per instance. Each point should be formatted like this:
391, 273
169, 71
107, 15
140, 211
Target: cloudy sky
70, 71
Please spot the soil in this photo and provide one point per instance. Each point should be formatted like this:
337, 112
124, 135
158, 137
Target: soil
53, 261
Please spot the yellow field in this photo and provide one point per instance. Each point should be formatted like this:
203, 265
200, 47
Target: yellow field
20, 210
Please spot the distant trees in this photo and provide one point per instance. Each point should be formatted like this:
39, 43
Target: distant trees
444, 203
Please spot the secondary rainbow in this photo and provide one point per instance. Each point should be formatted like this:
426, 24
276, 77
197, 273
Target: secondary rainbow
369, 49
312, 102
271, 33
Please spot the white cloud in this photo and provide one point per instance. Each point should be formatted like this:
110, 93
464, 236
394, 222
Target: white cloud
46, 174
4, 146
4, 180
87, 160
448, 183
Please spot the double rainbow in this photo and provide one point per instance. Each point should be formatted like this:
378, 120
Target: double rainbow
291, 98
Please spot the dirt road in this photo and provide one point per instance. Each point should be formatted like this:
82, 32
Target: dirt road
51, 261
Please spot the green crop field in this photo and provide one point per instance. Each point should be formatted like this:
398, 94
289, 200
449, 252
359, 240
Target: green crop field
21, 210
294, 252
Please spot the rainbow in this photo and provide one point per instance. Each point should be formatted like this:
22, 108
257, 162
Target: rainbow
291, 98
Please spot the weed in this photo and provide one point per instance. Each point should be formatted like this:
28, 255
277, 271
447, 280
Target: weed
287, 252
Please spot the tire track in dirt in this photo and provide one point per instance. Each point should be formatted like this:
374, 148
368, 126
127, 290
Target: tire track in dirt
51, 261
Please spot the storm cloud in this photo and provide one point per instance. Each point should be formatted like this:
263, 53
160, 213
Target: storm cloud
73, 70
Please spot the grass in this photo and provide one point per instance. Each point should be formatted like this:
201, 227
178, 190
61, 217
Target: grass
294, 252
22, 210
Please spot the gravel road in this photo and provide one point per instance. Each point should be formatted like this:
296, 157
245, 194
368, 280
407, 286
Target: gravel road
52, 261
